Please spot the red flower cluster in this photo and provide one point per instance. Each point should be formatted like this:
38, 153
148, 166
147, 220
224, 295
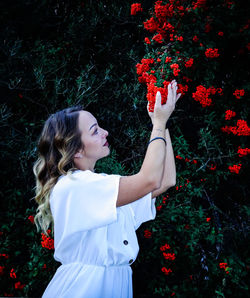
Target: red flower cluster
241, 129
212, 167
180, 38
175, 68
6, 256
224, 266
195, 38
158, 38
144, 66
164, 247
243, 151
151, 94
163, 11
202, 96
238, 93
235, 168
147, 40
151, 25
220, 33
166, 271
47, 242
212, 53
229, 114
12, 273
31, 218
168, 27
169, 256
19, 286
135, 8
189, 62
199, 4
168, 59
147, 234
182, 89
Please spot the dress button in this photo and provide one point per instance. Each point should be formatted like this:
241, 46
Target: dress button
131, 261
125, 242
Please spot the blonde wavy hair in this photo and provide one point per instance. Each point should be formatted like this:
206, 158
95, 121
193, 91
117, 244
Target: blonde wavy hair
59, 141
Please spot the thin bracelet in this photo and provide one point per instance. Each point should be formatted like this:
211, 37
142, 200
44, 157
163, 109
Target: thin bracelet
156, 139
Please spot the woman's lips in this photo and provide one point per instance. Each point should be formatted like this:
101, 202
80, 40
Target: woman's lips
106, 144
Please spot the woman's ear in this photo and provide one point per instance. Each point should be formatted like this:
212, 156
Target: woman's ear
78, 155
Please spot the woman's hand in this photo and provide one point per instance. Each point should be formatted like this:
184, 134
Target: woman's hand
171, 100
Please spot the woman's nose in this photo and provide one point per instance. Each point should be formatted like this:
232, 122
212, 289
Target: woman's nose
105, 133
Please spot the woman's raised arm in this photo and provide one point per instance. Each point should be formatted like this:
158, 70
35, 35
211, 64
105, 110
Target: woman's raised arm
134, 187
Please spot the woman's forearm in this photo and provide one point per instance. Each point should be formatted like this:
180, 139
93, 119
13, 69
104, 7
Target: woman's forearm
153, 164
169, 172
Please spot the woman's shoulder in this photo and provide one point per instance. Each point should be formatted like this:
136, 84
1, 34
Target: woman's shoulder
82, 176
82, 181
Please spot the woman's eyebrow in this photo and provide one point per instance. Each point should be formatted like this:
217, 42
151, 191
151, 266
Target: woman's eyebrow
92, 126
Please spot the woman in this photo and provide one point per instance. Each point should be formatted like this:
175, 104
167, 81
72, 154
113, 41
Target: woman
94, 216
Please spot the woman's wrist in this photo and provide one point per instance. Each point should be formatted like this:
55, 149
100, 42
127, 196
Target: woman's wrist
167, 126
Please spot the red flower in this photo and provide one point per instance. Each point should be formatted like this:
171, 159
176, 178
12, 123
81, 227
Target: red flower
151, 25
6, 256
180, 38
169, 256
208, 219
147, 234
189, 62
147, 40
241, 129
174, 65
229, 114
235, 168
159, 207
135, 8
31, 218
163, 11
212, 53
220, 33
212, 167
223, 265
195, 38
47, 242
238, 93
243, 152
152, 90
164, 247
12, 273
166, 271
199, 4
168, 59
202, 95
19, 286
158, 38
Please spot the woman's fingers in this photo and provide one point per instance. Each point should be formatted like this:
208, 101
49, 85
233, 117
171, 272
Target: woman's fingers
158, 99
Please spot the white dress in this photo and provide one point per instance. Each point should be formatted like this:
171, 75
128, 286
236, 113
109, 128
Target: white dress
94, 240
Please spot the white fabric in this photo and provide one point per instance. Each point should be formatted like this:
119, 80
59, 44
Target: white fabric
89, 235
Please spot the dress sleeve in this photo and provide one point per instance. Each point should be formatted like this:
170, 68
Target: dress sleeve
83, 202
143, 210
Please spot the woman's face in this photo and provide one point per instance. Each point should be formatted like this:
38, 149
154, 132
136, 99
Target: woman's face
93, 137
